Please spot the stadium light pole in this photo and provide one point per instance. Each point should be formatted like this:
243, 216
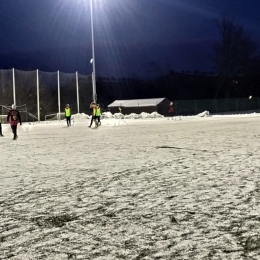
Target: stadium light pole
93, 54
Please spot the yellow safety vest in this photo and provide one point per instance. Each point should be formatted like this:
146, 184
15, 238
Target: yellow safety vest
98, 112
67, 112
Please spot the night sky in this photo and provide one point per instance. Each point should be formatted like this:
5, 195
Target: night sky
143, 38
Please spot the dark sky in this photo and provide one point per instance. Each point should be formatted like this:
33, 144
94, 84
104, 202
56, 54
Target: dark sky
132, 37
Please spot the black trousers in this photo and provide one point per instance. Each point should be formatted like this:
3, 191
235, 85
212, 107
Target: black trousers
68, 120
14, 130
1, 129
92, 119
98, 119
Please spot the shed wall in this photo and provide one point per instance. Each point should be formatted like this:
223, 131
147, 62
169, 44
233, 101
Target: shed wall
163, 107
137, 110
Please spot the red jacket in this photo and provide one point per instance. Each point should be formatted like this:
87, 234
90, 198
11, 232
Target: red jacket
171, 109
14, 117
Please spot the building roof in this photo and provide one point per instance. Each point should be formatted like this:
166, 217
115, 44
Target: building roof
137, 102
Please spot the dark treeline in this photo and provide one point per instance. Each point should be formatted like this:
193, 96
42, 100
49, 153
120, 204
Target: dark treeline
237, 66
178, 86
236, 75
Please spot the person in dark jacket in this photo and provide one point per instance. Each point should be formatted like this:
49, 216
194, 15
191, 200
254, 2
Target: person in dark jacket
171, 110
14, 118
1, 127
93, 109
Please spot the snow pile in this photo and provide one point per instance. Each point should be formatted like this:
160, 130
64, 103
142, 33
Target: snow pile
143, 115
133, 116
107, 115
118, 116
203, 114
80, 117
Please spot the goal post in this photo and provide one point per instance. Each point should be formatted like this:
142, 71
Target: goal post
56, 116
3, 118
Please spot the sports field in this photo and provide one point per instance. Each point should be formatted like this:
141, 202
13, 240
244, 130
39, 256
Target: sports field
132, 189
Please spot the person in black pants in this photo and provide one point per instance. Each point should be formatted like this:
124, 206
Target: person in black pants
68, 114
93, 113
14, 118
1, 127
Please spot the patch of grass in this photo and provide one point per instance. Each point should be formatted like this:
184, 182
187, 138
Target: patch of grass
54, 221
142, 254
252, 243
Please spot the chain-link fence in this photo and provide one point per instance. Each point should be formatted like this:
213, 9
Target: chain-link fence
45, 92
214, 106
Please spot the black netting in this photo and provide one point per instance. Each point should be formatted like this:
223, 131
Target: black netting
6, 87
26, 92
44, 93
194, 107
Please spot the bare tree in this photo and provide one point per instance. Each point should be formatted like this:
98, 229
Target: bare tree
233, 54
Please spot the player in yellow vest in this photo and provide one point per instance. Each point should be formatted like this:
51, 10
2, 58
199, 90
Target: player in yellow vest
68, 114
98, 114
93, 111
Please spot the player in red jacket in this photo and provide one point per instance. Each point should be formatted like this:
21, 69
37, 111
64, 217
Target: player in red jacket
171, 111
14, 118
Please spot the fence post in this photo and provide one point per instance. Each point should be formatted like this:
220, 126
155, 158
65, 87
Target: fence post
58, 78
14, 95
77, 88
38, 95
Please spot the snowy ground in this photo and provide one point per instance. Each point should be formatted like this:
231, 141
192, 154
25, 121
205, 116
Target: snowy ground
132, 189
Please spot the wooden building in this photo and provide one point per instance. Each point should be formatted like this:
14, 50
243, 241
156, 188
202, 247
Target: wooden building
159, 105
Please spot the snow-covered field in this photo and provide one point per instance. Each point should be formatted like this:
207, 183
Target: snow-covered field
147, 188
